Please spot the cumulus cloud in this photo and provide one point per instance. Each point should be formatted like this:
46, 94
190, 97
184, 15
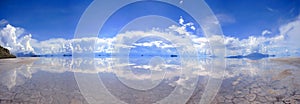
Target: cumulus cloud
158, 44
287, 40
13, 38
182, 30
81, 45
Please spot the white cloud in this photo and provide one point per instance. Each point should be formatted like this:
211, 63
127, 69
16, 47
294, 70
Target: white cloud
193, 27
181, 1
291, 32
158, 44
82, 45
286, 41
51, 46
266, 32
182, 29
11, 38
181, 20
3, 22
14, 39
25, 41
225, 18
270, 9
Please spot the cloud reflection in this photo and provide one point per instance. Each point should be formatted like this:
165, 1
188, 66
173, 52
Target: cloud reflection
16, 71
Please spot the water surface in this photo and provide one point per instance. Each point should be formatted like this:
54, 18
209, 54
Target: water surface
147, 80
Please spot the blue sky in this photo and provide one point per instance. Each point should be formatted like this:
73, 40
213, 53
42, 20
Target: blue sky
46, 19
140, 9
250, 17
49, 25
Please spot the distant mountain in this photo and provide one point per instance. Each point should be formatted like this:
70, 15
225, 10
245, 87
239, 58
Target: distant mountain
257, 56
174, 55
238, 56
30, 54
4, 53
252, 56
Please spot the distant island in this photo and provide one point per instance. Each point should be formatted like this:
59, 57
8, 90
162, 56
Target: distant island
252, 56
174, 55
31, 54
4, 53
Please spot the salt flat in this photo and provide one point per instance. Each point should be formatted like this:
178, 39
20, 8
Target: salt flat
52, 80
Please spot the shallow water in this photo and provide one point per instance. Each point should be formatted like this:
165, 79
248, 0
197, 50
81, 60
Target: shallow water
144, 80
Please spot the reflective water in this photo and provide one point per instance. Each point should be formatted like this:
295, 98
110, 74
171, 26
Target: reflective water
147, 80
